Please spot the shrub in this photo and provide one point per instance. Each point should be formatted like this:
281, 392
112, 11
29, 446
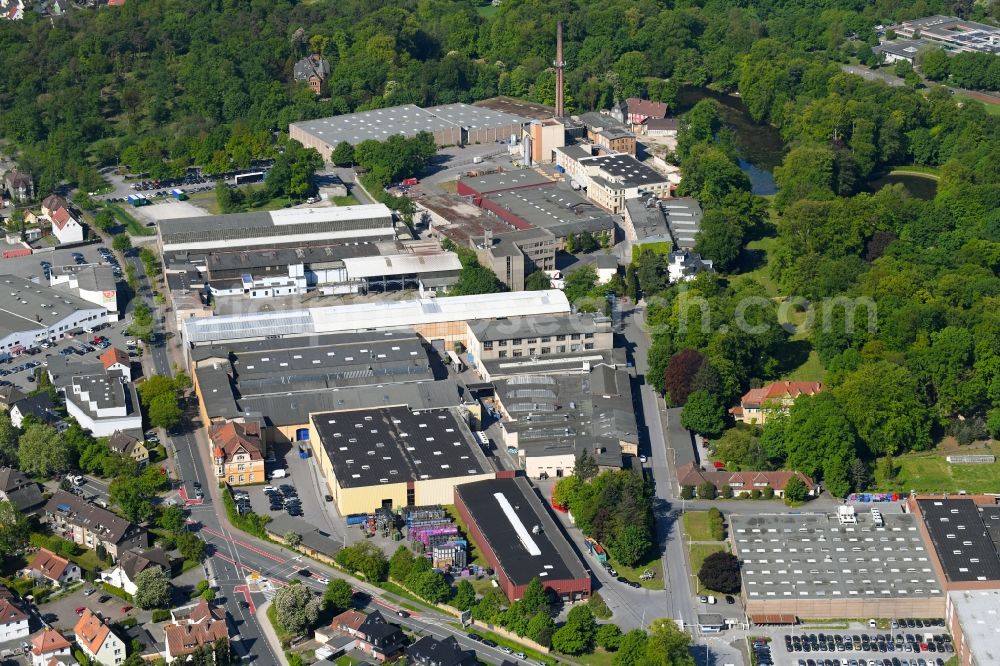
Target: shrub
755, 493
160, 615
767, 493
687, 492
721, 572
598, 606
727, 492
706, 490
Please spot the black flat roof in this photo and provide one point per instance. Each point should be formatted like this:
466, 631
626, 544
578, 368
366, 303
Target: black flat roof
961, 540
393, 445
507, 525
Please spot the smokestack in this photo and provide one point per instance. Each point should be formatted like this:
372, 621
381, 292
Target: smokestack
559, 64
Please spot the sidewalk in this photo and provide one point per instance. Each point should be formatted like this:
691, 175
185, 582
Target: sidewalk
269, 635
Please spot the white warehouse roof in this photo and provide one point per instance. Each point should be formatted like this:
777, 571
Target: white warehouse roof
374, 315
401, 264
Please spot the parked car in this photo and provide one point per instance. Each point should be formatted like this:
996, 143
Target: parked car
126, 609
79, 610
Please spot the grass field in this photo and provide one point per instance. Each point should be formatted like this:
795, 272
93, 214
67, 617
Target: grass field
599, 657
349, 200
633, 573
134, 226
207, 201
756, 259
696, 526
992, 109
698, 553
810, 371
931, 473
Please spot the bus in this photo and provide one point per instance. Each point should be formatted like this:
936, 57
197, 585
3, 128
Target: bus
251, 177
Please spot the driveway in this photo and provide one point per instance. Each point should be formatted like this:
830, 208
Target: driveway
64, 608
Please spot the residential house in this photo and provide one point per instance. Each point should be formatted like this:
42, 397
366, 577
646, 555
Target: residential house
312, 70
18, 489
65, 226
778, 397
115, 360
661, 127
193, 627
102, 402
15, 12
97, 641
238, 451
38, 406
683, 266
48, 566
19, 185
116, 3
373, 635
51, 204
87, 525
131, 564
8, 396
742, 482
47, 645
13, 621
127, 445
635, 112
430, 651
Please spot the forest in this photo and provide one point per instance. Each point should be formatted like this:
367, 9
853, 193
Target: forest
160, 85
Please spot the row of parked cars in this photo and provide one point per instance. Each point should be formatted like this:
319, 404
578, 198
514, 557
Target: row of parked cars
284, 497
869, 643
762, 651
895, 661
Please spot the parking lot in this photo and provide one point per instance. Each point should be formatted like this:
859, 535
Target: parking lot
901, 645
29, 266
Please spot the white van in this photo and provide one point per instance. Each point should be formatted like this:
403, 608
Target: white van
279, 474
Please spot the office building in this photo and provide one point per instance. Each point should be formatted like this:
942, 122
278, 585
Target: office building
952, 34
537, 337
973, 618
30, 313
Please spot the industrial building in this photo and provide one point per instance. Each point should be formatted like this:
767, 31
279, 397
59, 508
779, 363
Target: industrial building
645, 222
283, 381
834, 565
541, 139
952, 33
30, 313
537, 338
517, 535
391, 457
549, 420
555, 208
289, 227
604, 131
95, 283
683, 220
442, 322
479, 186
515, 255
973, 618
611, 180
451, 124
964, 533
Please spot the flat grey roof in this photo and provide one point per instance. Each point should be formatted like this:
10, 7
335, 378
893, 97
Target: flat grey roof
506, 180
812, 556
407, 120
569, 362
91, 277
580, 325
26, 306
396, 445
629, 169
105, 390
683, 217
960, 539
979, 615
560, 210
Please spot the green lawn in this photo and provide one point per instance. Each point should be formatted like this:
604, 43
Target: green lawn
88, 561
134, 226
349, 200
758, 252
992, 109
810, 371
599, 657
696, 526
632, 573
931, 473
915, 168
698, 553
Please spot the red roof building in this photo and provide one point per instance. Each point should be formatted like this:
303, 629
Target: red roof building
741, 482
778, 397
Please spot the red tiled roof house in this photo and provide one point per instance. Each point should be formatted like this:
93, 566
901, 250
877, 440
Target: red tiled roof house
756, 404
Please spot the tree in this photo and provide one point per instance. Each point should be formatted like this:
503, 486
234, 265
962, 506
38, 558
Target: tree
190, 546
42, 452
153, 387
727, 492
577, 635
565, 490
795, 490
343, 154
132, 497
534, 599
295, 608
668, 645
338, 596
171, 519
400, 564
14, 529
681, 370
703, 414
8, 441
121, 243
465, 595
631, 544
537, 281
585, 467
164, 412
540, 628
631, 649
580, 282
293, 538
820, 441
807, 172
740, 449
706, 490
608, 636
152, 589
721, 572
719, 238
687, 492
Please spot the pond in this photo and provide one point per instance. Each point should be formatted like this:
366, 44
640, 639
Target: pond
761, 148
